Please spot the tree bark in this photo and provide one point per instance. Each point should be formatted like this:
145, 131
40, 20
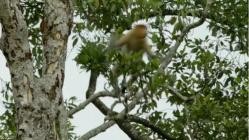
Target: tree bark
40, 112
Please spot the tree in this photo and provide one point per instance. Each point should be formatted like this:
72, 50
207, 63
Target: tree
206, 78
40, 111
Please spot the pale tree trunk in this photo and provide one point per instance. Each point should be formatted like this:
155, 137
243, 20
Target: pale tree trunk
40, 112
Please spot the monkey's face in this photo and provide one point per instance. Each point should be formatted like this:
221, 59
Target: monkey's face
140, 31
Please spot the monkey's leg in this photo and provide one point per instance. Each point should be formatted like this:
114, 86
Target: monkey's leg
114, 80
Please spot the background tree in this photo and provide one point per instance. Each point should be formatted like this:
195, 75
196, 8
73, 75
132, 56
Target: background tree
204, 77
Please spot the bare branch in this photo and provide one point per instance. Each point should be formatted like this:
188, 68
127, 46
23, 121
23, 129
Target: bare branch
87, 101
102, 128
125, 126
129, 107
131, 131
90, 91
150, 125
92, 84
119, 116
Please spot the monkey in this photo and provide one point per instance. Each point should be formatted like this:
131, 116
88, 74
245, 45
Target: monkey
135, 40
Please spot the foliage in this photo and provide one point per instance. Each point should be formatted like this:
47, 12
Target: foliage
7, 123
92, 57
33, 13
200, 68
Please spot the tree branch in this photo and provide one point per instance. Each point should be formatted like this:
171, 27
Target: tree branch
16, 49
15, 46
179, 95
87, 101
15, 31
131, 131
2, 40
102, 128
55, 27
123, 125
192, 13
150, 125
129, 107
118, 117
175, 12
172, 51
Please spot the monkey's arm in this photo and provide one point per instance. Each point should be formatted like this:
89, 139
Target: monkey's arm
147, 48
123, 40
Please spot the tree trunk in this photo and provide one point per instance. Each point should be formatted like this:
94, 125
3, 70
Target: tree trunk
40, 112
